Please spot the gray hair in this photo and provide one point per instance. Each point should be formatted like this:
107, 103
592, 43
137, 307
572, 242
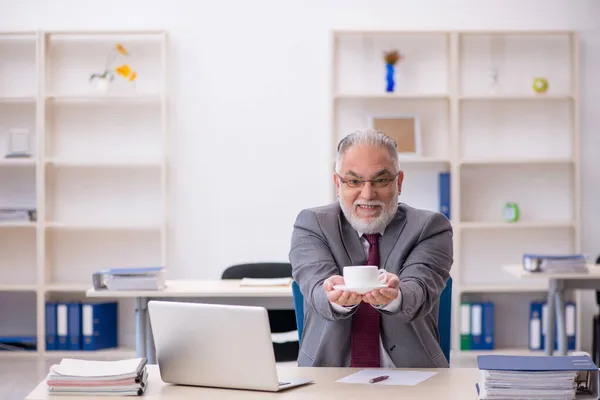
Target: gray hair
370, 137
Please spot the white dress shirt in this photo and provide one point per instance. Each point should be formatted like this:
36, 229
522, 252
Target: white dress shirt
386, 361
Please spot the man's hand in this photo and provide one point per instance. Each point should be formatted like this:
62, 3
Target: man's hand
382, 297
340, 297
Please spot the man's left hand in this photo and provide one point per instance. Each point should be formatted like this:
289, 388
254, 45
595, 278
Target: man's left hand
382, 297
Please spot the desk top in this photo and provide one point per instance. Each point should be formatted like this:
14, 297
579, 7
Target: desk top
200, 288
448, 384
519, 272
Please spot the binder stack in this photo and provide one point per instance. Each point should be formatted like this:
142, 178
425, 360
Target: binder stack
477, 326
569, 263
145, 278
98, 378
74, 326
536, 377
538, 311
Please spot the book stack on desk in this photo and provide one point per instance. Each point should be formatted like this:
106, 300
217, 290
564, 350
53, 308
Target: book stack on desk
98, 378
555, 263
536, 377
138, 278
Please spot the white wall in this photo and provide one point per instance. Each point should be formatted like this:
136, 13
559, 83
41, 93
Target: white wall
249, 104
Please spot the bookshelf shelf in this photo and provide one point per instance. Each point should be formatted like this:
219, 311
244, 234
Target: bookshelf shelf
17, 162
97, 176
516, 225
393, 96
500, 141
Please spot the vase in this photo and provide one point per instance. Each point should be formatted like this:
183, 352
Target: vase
102, 84
390, 78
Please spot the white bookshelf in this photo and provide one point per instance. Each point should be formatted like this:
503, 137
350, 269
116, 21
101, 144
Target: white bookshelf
502, 144
97, 177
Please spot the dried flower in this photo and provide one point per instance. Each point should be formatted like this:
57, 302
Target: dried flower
124, 70
121, 49
392, 57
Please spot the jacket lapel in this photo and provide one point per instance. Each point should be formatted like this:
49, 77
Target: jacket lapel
390, 237
351, 241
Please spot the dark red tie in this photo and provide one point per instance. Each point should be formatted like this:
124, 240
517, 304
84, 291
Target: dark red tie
365, 322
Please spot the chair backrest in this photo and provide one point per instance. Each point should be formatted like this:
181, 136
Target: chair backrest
299, 308
444, 317
258, 270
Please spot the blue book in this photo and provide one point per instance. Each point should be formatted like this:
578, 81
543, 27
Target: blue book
482, 326
133, 271
62, 326
535, 326
74, 326
51, 338
497, 362
99, 325
444, 193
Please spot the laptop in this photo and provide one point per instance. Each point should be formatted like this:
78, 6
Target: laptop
213, 345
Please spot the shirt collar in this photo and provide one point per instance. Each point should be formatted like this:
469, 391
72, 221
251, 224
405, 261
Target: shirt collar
360, 234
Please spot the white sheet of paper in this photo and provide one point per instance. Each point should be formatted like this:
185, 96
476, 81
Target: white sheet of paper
399, 378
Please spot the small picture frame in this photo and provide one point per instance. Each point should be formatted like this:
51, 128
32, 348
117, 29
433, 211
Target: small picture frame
404, 129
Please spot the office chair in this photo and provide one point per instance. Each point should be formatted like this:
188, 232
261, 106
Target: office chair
279, 320
444, 316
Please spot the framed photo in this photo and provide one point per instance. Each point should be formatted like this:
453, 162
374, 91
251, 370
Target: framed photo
404, 129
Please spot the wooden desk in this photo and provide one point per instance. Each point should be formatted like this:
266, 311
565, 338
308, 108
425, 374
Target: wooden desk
208, 289
448, 384
557, 284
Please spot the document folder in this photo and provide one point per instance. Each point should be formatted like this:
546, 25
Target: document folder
587, 380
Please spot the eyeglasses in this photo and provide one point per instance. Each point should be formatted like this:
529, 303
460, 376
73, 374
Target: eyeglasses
378, 183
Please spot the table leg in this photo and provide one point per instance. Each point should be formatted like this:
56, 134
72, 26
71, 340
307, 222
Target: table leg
560, 320
150, 349
549, 323
140, 327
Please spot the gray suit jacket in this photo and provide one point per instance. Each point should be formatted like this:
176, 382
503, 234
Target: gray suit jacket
416, 245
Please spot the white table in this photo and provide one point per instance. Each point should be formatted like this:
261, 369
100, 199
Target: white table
221, 291
557, 284
447, 384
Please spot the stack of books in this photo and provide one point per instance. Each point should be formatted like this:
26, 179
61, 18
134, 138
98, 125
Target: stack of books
98, 378
536, 377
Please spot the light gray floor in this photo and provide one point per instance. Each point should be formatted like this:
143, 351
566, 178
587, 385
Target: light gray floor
18, 376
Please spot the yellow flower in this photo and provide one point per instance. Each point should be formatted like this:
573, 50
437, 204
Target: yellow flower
124, 70
133, 76
121, 49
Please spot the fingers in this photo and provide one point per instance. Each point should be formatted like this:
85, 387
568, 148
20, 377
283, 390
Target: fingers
334, 296
393, 282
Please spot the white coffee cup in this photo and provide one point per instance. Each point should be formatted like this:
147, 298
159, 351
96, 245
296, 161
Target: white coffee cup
357, 276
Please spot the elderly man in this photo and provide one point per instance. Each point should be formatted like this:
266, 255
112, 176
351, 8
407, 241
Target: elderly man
388, 327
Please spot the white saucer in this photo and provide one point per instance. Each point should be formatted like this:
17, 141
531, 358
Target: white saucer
360, 290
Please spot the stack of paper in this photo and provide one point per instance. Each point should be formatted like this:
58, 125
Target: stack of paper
556, 385
98, 378
531, 377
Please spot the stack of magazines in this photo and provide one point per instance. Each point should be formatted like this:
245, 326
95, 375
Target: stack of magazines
98, 378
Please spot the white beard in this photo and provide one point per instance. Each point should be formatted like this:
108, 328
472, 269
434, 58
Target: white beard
374, 225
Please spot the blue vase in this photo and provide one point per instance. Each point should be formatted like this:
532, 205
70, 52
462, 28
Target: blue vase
389, 78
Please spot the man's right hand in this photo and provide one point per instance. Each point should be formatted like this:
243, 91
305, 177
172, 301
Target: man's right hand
345, 299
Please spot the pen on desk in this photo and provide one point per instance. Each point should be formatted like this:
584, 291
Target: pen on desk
378, 379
